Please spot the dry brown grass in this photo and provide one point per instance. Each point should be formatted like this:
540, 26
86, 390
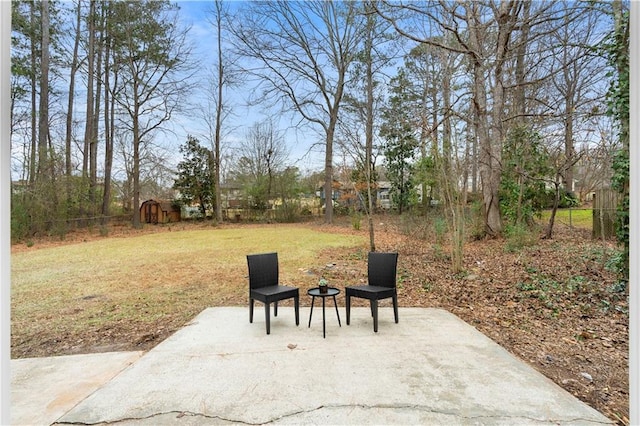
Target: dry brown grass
127, 284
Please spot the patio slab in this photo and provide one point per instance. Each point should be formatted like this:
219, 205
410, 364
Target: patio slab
430, 368
44, 389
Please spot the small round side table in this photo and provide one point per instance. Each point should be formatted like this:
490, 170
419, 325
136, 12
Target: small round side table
331, 292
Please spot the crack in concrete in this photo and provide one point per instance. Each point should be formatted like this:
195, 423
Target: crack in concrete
180, 414
435, 411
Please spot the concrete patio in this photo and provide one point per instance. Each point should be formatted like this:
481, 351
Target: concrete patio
430, 368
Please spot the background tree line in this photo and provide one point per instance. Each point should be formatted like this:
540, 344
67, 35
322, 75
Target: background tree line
505, 102
125, 66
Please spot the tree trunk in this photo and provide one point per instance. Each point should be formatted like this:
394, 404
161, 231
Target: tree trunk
473, 142
90, 103
96, 118
34, 98
135, 116
491, 141
69, 123
43, 113
446, 120
135, 208
434, 137
453, 198
219, 105
328, 163
108, 122
556, 202
520, 107
487, 160
506, 17
569, 150
520, 72
622, 32
328, 180
369, 123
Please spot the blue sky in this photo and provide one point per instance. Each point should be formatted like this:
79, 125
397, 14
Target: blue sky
197, 15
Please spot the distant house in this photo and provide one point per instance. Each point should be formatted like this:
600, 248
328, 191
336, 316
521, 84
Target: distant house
232, 196
383, 195
338, 189
345, 195
159, 211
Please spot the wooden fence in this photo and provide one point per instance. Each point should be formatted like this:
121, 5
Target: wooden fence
605, 204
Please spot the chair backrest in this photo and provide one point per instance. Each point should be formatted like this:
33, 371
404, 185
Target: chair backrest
382, 269
263, 269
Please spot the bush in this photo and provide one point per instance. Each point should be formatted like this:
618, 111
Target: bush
20, 220
567, 199
475, 219
288, 213
420, 226
340, 209
356, 220
518, 237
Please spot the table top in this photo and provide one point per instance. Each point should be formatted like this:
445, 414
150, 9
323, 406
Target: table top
331, 291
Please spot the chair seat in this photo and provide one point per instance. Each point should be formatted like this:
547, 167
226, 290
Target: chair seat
370, 291
274, 292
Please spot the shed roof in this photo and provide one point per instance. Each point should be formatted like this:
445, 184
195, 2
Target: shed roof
165, 205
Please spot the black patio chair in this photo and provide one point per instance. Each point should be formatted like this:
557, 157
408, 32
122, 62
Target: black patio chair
264, 286
381, 276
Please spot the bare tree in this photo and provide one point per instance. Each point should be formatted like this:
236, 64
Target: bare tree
304, 50
362, 105
596, 153
262, 155
223, 77
506, 15
155, 75
560, 164
494, 36
154, 175
369, 39
474, 27
577, 79
219, 104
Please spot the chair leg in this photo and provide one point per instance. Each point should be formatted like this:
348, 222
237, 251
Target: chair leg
267, 317
275, 309
296, 303
371, 306
374, 307
348, 308
250, 310
313, 301
395, 307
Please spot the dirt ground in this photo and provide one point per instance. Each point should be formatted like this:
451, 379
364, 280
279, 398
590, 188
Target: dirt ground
550, 304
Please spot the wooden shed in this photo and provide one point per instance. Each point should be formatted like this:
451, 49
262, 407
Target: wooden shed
159, 211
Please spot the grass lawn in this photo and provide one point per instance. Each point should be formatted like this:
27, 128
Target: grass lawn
578, 218
130, 283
